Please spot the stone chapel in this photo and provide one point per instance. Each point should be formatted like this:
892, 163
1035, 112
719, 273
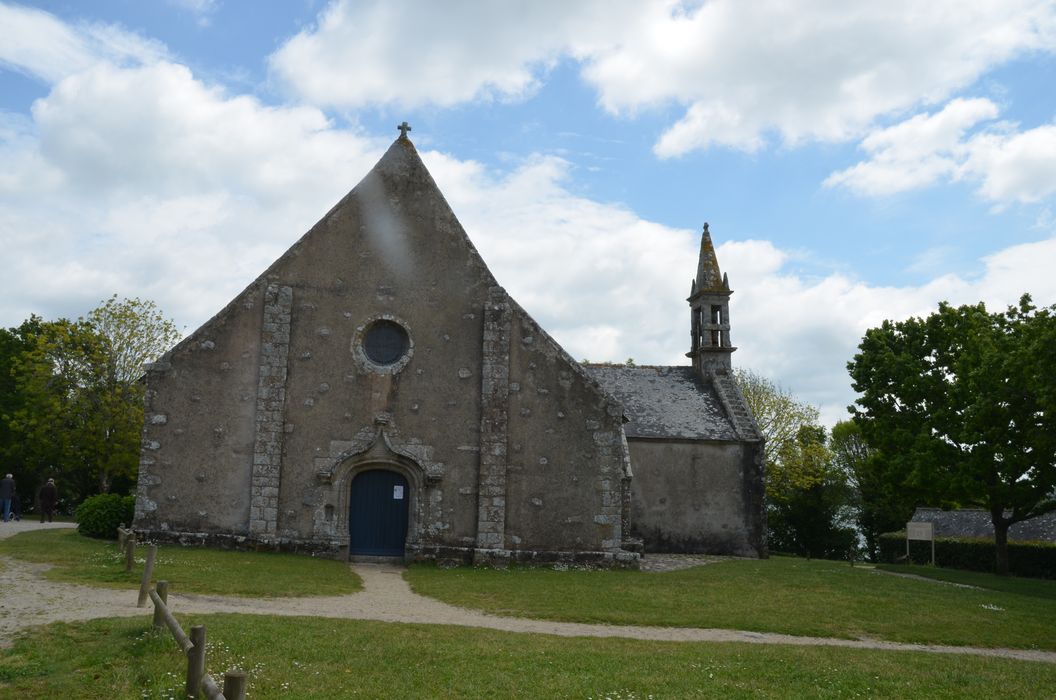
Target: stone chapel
376, 392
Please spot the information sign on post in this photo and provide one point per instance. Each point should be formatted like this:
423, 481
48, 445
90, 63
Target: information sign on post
921, 531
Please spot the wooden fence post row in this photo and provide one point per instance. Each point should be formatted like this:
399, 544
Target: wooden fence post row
194, 648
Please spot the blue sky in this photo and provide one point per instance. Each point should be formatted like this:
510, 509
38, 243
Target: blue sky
855, 162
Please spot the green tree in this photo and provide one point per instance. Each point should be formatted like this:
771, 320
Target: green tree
80, 404
883, 500
809, 499
777, 412
136, 331
14, 342
962, 403
69, 419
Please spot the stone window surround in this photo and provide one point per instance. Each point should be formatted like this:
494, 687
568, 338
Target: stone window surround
360, 355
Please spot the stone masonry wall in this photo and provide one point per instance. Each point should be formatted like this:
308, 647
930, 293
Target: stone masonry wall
495, 394
271, 397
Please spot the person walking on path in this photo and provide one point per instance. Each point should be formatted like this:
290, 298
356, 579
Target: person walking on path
48, 497
7, 495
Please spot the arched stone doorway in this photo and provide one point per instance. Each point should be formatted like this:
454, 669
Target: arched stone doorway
378, 513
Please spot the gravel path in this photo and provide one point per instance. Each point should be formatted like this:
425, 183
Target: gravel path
27, 599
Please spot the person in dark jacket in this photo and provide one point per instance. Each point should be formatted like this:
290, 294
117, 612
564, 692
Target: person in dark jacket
48, 497
7, 495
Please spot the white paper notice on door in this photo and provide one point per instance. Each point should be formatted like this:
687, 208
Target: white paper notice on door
397, 492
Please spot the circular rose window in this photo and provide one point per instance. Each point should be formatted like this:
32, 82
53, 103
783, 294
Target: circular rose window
385, 342
382, 345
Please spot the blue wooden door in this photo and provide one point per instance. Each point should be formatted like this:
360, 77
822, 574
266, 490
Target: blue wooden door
377, 517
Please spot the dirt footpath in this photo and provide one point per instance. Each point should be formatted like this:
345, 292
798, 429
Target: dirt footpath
27, 599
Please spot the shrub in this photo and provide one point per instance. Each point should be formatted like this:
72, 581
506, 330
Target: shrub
1031, 559
100, 515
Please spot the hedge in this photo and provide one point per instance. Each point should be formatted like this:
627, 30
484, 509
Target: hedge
1031, 559
100, 515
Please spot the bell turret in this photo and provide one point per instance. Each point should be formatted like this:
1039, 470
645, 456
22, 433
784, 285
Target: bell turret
709, 304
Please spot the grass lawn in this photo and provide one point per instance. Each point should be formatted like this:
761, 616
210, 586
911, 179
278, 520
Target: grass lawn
93, 562
313, 658
782, 594
1039, 588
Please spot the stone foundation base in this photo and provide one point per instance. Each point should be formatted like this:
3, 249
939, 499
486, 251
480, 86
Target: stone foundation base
442, 554
501, 558
245, 543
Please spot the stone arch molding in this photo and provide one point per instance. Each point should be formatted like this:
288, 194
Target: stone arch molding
378, 447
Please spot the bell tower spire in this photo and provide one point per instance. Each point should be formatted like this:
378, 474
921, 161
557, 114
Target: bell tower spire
709, 308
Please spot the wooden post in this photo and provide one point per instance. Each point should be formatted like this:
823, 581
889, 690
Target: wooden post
163, 592
130, 551
210, 689
182, 640
148, 571
235, 685
196, 661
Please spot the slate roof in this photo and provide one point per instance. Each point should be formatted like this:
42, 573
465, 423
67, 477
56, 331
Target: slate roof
969, 522
665, 402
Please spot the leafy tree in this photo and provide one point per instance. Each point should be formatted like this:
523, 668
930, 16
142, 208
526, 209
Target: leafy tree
13, 343
70, 418
883, 500
963, 403
80, 405
136, 331
808, 496
778, 414
809, 499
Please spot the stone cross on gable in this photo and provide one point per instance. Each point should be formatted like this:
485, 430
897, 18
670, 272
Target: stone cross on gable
404, 128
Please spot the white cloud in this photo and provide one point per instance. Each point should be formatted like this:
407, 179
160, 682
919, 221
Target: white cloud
409, 54
916, 152
1010, 165
148, 182
805, 70
38, 44
814, 70
156, 128
1014, 165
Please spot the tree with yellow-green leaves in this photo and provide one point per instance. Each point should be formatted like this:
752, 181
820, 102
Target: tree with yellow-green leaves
777, 412
74, 405
809, 498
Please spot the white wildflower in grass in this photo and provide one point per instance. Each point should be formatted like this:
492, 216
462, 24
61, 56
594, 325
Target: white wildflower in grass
991, 606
